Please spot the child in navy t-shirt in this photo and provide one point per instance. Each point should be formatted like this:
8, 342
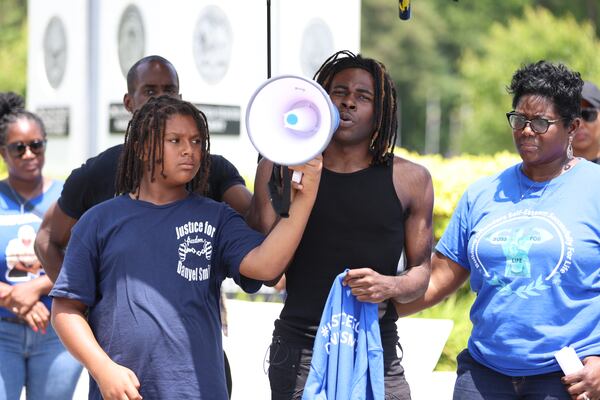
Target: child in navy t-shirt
148, 264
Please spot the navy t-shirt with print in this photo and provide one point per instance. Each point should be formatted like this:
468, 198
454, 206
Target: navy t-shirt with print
151, 276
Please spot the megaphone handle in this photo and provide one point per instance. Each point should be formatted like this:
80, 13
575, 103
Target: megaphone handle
280, 189
297, 176
284, 212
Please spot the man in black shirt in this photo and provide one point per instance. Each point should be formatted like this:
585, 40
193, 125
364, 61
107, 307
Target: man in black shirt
371, 207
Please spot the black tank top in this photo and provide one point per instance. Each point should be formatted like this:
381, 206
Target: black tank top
357, 221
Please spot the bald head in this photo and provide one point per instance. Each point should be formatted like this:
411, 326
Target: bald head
152, 76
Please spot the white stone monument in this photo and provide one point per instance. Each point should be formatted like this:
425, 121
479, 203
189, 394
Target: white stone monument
80, 51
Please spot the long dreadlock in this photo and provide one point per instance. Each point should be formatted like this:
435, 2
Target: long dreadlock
383, 137
144, 140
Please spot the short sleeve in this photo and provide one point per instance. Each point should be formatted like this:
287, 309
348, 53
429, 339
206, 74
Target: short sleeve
223, 175
72, 200
454, 241
90, 184
236, 239
79, 272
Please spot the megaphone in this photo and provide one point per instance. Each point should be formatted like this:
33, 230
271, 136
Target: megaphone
290, 120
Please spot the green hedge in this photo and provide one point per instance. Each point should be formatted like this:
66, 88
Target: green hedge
451, 176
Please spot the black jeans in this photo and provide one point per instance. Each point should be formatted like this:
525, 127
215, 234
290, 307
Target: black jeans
289, 366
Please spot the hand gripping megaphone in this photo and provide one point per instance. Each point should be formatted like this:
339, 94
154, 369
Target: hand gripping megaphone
290, 120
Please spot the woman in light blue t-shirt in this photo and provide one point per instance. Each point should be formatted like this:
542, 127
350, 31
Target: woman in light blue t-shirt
31, 354
529, 240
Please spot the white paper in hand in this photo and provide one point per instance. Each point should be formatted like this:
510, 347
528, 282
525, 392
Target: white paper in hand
568, 360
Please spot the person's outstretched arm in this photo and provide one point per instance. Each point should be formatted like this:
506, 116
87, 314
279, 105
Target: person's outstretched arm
115, 381
52, 239
269, 260
446, 277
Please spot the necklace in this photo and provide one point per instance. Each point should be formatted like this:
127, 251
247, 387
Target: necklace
522, 195
21, 199
519, 171
528, 189
18, 198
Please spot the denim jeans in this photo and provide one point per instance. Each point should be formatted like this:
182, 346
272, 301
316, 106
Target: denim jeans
37, 361
289, 366
477, 382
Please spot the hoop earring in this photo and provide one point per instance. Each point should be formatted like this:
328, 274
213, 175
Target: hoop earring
570, 149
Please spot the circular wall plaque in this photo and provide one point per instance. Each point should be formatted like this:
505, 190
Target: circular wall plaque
131, 39
316, 46
212, 42
55, 51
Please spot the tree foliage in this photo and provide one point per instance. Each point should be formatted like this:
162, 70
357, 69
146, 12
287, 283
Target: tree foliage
13, 46
537, 35
426, 55
413, 55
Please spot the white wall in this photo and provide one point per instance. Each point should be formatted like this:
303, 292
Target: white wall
218, 47
67, 66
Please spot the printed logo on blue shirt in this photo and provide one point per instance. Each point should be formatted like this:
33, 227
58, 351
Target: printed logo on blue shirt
511, 238
344, 335
194, 250
515, 244
21, 261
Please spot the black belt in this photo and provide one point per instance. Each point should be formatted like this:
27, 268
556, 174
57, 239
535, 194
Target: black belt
13, 320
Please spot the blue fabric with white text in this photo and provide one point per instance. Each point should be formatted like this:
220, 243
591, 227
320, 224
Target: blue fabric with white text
151, 277
347, 358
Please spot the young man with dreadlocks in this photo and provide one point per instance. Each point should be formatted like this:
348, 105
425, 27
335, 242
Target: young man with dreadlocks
371, 206
148, 264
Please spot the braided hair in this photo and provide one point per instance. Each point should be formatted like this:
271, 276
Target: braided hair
144, 140
383, 137
12, 108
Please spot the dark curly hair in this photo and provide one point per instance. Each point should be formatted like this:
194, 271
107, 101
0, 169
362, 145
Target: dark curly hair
383, 137
12, 108
553, 81
144, 139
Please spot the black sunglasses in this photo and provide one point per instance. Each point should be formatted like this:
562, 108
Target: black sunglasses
538, 125
589, 114
18, 149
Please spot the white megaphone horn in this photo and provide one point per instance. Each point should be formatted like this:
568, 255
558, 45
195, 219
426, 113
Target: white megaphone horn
290, 120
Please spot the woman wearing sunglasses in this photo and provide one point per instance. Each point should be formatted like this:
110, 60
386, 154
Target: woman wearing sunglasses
528, 238
31, 354
587, 140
